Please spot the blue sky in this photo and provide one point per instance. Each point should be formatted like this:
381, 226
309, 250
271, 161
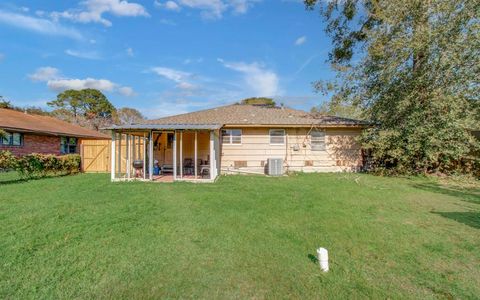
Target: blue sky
163, 57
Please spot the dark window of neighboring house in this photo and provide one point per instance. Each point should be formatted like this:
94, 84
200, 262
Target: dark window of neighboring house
68, 145
12, 139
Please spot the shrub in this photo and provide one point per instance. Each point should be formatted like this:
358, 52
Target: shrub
40, 165
7, 160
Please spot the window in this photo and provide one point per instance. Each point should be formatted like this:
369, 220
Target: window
232, 136
68, 145
12, 139
318, 140
277, 136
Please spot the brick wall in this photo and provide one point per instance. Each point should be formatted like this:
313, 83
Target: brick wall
36, 144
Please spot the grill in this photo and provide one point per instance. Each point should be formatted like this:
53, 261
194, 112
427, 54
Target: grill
138, 164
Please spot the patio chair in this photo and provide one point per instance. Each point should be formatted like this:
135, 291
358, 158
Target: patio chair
188, 166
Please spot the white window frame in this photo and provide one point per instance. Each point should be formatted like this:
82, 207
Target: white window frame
318, 139
270, 137
230, 143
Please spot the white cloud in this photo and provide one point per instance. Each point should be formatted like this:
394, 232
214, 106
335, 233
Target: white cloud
58, 83
2, 56
193, 60
93, 10
82, 54
126, 91
186, 86
168, 5
172, 74
262, 82
181, 78
130, 52
45, 74
39, 25
300, 41
210, 9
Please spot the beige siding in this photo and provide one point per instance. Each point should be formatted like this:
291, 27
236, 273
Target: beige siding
342, 152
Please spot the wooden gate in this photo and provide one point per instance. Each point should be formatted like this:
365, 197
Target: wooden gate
95, 155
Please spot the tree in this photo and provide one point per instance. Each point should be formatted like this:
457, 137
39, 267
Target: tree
4, 103
88, 107
34, 110
339, 109
413, 69
259, 101
127, 115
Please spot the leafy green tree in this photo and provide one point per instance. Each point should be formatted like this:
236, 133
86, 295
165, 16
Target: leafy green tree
259, 101
4, 103
69, 101
88, 107
413, 68
339, 109
127, 115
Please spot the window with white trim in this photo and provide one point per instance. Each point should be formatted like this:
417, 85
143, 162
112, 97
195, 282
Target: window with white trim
318, 140
277, 136
12, 139
232, 136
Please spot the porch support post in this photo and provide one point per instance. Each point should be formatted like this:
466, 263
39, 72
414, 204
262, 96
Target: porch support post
119, 159
150, 156
212, 155
112, 157
174, 155
195, 159
134, 148
139, 149
128, 154
144, 156
181, 154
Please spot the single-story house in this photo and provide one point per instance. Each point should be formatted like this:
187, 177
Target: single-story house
236, 138
29, 133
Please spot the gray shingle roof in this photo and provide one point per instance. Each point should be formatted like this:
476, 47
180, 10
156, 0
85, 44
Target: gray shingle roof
240, 114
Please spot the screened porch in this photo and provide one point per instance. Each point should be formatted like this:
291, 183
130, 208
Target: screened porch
165, 153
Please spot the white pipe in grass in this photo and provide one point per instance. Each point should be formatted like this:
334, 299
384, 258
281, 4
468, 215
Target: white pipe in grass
323, 259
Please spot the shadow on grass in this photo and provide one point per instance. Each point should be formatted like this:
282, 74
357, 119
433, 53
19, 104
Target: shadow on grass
16, 179
312, 258
469, 195
469, 218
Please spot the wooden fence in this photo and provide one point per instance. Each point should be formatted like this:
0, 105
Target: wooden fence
95, 155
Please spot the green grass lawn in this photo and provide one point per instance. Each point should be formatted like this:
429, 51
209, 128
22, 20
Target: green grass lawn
242, 237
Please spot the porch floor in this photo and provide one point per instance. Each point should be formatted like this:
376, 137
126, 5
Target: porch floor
169, 178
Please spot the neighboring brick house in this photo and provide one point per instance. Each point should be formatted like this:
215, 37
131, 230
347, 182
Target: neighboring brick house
27, 133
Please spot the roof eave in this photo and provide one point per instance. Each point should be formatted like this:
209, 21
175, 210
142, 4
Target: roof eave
52, 133
165, 127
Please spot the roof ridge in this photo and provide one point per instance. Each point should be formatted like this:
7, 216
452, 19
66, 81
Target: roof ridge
192, 112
